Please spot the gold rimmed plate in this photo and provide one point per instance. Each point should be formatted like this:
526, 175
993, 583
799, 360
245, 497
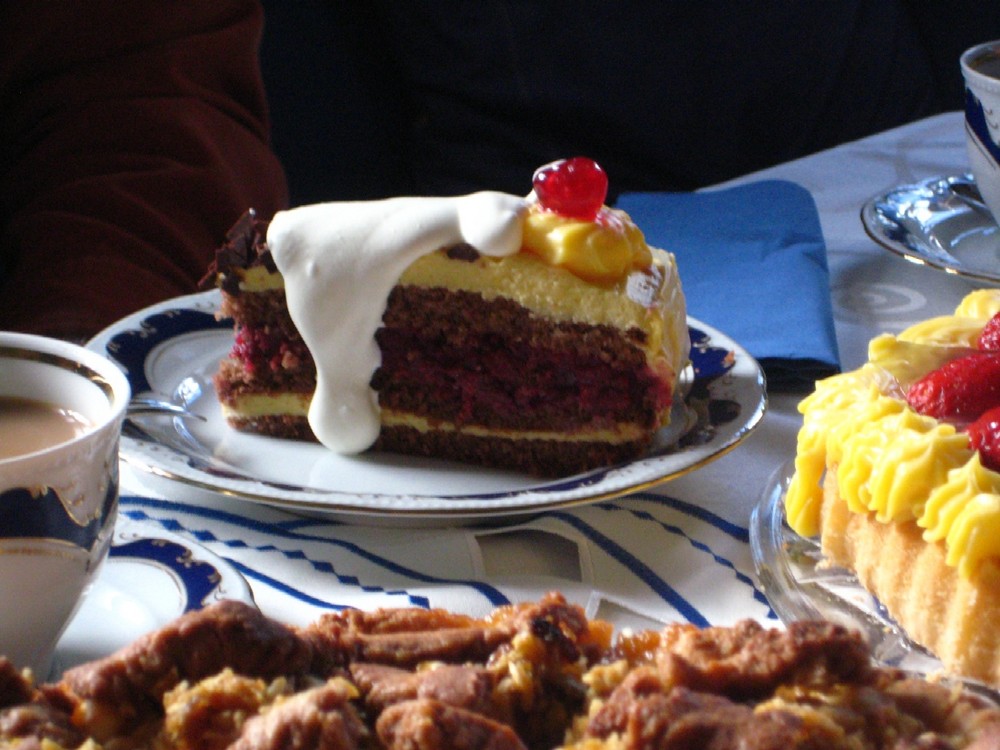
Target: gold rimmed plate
169, 352
940, 223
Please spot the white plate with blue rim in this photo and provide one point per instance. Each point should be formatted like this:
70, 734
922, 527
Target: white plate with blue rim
149, 578
941, 223
170, 352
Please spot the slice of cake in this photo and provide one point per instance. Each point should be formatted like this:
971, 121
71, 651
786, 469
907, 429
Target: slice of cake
540, 334
897, 472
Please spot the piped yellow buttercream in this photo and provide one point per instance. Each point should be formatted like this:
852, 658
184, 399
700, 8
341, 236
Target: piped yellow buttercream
945, 331
904, 362
816, 441
954, 502
982, 304
974, 534
891, 461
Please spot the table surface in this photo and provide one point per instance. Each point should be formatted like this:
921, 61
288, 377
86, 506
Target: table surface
678, 551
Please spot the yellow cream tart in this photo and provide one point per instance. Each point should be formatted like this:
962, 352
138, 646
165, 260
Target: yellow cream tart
499, 330
896, 471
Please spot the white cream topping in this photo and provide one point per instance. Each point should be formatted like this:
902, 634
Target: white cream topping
340, 261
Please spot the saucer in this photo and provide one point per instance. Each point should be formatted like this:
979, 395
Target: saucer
150, 578
940, 223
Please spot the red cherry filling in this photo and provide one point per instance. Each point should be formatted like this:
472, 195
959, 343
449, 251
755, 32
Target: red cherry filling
575, 188
984, 436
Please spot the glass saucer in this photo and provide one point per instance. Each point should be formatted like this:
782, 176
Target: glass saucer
940, 223
800, 584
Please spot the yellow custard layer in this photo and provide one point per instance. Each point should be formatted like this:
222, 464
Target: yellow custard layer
891, 461
620, 433
255, 405
649, 299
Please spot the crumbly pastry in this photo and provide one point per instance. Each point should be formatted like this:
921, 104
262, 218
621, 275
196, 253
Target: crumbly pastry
528, 677
898, 473
486, 328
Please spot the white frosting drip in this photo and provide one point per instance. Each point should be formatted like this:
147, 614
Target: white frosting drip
340, 261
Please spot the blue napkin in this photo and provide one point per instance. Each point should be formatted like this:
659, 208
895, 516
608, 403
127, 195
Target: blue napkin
753, 264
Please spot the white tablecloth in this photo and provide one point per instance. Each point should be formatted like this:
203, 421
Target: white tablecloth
679, 551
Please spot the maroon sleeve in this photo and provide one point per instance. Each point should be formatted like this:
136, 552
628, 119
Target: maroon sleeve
133, 135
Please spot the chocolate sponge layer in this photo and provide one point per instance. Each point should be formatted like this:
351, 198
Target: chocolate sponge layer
454, 358
542, 458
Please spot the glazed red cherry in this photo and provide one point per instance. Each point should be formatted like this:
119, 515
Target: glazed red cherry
575, 187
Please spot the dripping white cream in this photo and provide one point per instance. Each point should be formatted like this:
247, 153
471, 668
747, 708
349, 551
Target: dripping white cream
340, 261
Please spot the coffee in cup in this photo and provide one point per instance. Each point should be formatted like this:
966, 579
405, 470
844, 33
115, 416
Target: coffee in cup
28, 425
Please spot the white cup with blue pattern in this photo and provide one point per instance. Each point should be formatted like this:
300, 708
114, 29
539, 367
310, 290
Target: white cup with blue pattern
981, 70
61, 413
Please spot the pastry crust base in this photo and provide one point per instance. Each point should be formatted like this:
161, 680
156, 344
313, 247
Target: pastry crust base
957, 619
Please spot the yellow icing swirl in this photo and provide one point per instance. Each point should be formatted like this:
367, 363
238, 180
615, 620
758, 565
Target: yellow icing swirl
953, 503
974, 533
901, 363
817, 440
892, 462
601, 251
946, 331
982, 304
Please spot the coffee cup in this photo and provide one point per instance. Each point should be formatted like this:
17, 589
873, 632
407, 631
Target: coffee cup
61, 413
981, 70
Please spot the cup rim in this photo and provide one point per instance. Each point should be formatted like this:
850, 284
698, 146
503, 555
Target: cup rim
74, 358
974, 76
